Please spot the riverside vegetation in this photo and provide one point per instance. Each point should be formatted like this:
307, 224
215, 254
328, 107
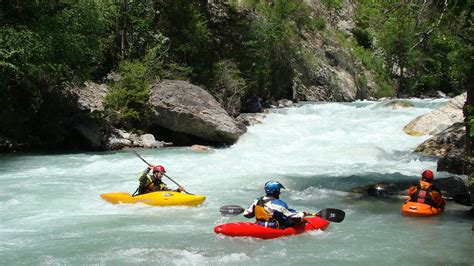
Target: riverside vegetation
234, 49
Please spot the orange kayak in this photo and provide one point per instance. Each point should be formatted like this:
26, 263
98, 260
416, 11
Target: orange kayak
419, 209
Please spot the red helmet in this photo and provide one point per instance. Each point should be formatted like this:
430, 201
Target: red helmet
159, 168
427, 174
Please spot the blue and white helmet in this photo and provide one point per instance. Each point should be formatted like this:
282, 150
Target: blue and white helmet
273, 186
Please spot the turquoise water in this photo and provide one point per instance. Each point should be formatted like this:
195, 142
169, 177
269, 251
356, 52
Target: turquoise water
51, 212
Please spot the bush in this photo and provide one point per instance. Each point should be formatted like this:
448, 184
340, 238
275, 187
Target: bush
126, 101
363, 38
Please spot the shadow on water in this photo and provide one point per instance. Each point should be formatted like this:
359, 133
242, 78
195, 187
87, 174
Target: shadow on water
345, 183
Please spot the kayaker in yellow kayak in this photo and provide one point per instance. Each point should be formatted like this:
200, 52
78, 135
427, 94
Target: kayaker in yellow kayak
271, 211
152, 183
425, 192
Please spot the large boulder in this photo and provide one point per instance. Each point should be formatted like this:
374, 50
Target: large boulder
437, 120
183, 107
457, 162
442, 143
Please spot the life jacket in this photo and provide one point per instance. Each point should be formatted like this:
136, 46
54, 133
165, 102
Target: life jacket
422, 194
260, 213
154, 184
262, 216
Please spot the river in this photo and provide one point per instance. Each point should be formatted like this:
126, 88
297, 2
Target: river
51, 212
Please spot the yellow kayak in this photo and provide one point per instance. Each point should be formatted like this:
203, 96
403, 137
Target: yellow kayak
159, 198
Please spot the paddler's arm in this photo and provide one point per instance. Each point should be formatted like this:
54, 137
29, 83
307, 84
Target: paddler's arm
438, 199
142, 178
249, 212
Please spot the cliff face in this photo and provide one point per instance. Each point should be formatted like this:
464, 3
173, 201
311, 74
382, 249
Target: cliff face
333, 71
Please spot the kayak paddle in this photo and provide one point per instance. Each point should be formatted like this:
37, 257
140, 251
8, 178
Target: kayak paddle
330, 214
139, 156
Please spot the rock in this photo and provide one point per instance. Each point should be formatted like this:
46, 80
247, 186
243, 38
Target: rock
252, 118
201, 148
285, 103
442, 143
398, 104
120, 139
182, 107
7, 145
253, 104
450, 187
88, 97
437, 120
115, 143
93, 130
148, 141
470, 181
456, 162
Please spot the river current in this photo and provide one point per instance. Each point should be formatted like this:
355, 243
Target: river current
51, 212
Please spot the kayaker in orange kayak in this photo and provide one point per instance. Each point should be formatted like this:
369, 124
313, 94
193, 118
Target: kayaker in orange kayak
152, 183
271, 211
425, 192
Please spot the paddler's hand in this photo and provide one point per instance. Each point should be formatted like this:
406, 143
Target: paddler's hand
181, 189
306, 213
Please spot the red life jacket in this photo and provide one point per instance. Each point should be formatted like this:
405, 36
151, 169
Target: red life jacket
422, 194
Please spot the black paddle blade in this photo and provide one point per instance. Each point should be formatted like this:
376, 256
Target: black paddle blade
332, 215
231, 210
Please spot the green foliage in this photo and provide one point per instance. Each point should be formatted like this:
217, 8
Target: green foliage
333, 4
427, 46
228, 80
159, 65
372, 62
363, 37
273, 45
190, 43
127, 97
318, 23
41, 46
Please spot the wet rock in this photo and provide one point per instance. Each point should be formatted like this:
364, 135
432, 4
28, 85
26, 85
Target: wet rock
398, 104
201, 148
283, 103
252, 118
437, 120
120, 139
7, 145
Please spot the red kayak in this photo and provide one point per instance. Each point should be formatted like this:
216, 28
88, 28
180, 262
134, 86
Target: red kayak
247, 229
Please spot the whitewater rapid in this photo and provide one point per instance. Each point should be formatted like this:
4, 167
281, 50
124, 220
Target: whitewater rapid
51, 212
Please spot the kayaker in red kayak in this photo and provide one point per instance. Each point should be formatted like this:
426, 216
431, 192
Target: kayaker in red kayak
271, 211
425, 192
152, 183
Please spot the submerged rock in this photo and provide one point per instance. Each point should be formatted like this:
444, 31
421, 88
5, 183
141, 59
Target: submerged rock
201, 148
398, 104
